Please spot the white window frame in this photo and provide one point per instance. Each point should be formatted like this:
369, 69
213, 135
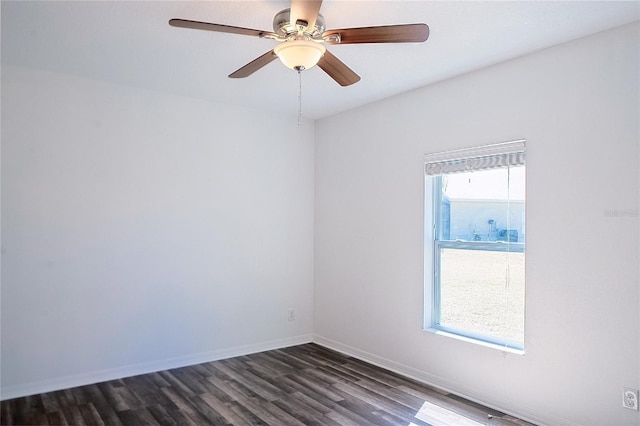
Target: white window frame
473, 159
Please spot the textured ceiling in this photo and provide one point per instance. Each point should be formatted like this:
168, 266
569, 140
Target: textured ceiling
131, 43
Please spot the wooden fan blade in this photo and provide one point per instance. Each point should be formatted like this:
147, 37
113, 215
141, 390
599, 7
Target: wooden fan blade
337, 70
305, 10
207, 26
254, 65
408, 33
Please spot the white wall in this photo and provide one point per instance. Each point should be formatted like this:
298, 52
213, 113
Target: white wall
142, 231
578, 107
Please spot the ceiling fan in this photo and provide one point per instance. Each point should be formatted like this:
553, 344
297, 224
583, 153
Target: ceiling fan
302, 36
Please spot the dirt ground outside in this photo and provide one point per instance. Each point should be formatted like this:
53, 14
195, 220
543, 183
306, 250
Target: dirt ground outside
478, 296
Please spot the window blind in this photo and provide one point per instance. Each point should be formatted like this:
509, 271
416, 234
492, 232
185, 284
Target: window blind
486, 157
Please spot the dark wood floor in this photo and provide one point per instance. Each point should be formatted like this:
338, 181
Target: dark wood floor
301, 385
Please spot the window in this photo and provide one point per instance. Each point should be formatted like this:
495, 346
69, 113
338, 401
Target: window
475, 243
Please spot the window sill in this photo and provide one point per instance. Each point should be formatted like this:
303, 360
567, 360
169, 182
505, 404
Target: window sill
502, 348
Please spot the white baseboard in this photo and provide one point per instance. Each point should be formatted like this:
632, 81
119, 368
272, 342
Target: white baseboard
58, 383
510, 408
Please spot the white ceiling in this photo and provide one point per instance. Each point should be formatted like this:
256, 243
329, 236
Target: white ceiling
131, 43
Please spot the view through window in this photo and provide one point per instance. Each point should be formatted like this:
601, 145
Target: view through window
479, 238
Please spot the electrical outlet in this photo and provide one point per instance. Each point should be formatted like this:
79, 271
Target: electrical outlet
630, 399
291, 314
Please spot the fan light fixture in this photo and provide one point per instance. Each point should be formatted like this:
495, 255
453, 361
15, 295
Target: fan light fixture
299, 54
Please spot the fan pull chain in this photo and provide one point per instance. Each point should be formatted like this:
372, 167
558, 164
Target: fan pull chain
299, 95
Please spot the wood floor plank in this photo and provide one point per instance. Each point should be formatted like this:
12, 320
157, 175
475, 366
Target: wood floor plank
245, 414
244, 375
376, 400
300, 411
282, 416
208, 412
276, 382
161, 415
256, 407
362, 369
306, 401
224, 409
177, 416
217, 389
394, 394
306, 381
145, 390
233, 390
294, 386
344, 412
211, 389
79, 396
28, 409
140, 417
339, 411
176, 380
91, 415
6, 415
184, 405
289, 357
120, 398
345, 421
155, 379
50, 402
102, 406
191, 379
269, 366
383, 418
57, 418
73, 415
364, 410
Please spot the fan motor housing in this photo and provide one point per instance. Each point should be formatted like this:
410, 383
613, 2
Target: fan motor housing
283, 26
